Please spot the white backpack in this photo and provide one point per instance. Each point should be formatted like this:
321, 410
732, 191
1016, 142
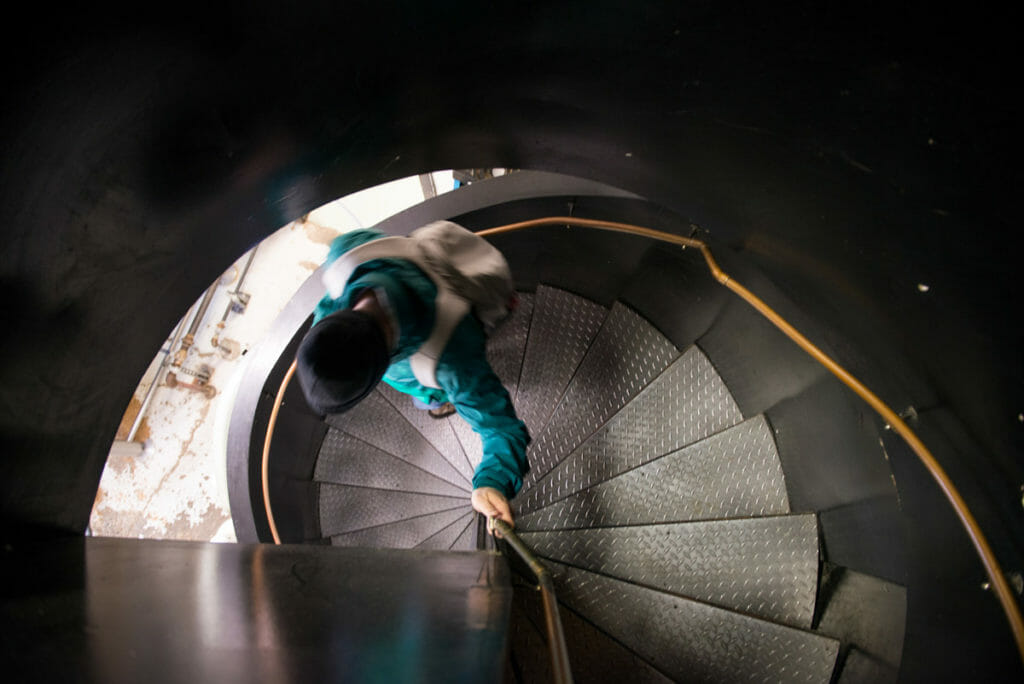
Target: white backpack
469, 272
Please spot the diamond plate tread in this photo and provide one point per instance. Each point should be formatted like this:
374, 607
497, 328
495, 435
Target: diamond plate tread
346, 460
436, 431
685, 404
466, 540
472, 446
444, 539
562, 328
692, 641
733, 474
593, 655
377, 422
626, 355
347, 509
766, 567
403, 534
507, 345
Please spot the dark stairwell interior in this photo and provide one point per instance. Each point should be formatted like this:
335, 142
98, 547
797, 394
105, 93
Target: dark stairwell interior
854, 170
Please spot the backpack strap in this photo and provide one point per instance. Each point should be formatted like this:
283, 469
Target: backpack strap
449, 308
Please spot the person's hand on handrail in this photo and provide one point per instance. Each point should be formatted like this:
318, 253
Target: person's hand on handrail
493, 504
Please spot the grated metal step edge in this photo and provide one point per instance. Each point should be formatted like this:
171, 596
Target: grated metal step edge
765, 567
625, 356
687, 403
344, 508
348, 460
734, 473
692, 641
402, 534
561, 331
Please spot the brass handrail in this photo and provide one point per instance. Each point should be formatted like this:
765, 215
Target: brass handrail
996, 576
556, 637
993, 570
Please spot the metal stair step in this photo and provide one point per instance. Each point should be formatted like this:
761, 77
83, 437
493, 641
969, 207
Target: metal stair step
562, 328
625, 356
692, 641
593, 655
683, 405
732, 474
436, 431
766, 567
347, 509
507, 345
445, 538
466, 540
375, 421
403, 534
346, 460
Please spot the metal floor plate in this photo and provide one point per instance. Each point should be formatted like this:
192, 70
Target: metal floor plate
507, 345
626, 355
377, 422
694, 642
436, 431
561, 331
766, 567
446, 538
403, 534
348, 509
593, 655
345, 460
466, 540
732, 474
685, 404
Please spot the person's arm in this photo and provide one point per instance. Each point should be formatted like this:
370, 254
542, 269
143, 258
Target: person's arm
483, 402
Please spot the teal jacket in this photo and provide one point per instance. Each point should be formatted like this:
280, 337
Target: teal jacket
466, 378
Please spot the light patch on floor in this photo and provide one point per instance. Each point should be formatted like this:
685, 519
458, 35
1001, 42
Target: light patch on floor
170, 482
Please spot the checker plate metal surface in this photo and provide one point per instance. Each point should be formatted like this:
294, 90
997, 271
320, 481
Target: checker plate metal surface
562, 329
507, 345
436, 431
466, 540
686, 403
767, 567
403, 534
345, 460
470, 441
694, 642
377, 422
733, 474
445, 538
347, 509
627, 354
593, 655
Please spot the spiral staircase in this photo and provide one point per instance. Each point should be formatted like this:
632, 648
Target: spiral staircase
659, 505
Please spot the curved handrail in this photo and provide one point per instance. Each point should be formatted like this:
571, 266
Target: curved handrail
992, 568
556, 636
991, 564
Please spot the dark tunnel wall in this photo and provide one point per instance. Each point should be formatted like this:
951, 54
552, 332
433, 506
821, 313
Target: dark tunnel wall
850, 156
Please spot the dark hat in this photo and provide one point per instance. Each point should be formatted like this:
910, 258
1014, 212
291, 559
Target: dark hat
340, 360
